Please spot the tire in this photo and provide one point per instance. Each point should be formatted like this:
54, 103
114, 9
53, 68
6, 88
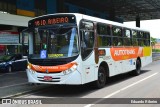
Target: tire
9, 69
137, 71
101, 82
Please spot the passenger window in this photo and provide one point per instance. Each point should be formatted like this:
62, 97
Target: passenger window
103, 29
146, 39
134, 38
104, 40
128, 33
134, 34
104, 37
147, 36
127, 37
134, 42
141, 42
141, 35
117, 31
117, 41
117, 36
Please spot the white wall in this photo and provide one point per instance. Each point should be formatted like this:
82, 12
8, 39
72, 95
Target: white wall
16, 20
152, 25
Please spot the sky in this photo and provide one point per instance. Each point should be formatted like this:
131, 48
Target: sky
152, 25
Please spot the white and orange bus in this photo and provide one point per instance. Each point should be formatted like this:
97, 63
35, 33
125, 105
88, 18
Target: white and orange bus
78, 49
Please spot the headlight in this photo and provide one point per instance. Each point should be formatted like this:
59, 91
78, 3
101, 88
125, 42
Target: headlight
32, 71
29, 66
73, 68
3, 63
70, 70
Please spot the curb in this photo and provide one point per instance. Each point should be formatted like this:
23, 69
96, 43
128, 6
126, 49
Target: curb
24, 93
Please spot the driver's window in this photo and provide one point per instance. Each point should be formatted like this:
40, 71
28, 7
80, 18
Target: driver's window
87, 38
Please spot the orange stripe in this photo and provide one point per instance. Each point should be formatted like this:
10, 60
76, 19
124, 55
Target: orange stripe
126, 53
58, 68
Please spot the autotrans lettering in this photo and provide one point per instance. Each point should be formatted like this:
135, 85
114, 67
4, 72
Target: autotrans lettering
126, 53
51, 21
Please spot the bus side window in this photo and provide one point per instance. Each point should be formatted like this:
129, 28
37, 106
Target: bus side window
140, 42
104, 40
117, 31
117, 36
146, 39
140, 39
104, 37
127, 37
134, 38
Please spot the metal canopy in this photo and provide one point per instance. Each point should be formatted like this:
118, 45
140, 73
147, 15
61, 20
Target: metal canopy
127, 9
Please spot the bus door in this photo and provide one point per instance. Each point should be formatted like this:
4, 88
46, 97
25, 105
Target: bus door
87, 50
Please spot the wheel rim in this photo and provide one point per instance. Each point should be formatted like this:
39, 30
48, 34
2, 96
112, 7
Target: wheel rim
101, 77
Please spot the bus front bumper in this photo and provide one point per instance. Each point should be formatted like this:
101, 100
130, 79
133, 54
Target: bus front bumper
73, 78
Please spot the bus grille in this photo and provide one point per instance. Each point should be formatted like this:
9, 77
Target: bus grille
49, 72
55, 79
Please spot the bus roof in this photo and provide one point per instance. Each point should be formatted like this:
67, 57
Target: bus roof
111, 22
96, 19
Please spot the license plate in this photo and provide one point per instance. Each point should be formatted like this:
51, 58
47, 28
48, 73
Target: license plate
47, 78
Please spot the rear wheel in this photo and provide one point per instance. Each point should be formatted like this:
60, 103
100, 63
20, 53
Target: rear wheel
137, 71
100, 83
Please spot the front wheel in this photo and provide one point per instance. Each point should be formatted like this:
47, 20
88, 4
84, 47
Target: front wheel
100, 83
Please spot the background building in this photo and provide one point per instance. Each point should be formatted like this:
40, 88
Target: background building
15, 14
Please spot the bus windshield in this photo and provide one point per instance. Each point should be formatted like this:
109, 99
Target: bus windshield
58, 41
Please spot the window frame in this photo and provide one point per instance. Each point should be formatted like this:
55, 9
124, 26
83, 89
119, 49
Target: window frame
119, 38
82, 51
107, 35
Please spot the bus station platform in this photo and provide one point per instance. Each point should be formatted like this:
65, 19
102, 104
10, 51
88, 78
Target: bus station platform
15, 83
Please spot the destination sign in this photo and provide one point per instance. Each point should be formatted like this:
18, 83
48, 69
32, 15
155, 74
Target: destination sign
51, 20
